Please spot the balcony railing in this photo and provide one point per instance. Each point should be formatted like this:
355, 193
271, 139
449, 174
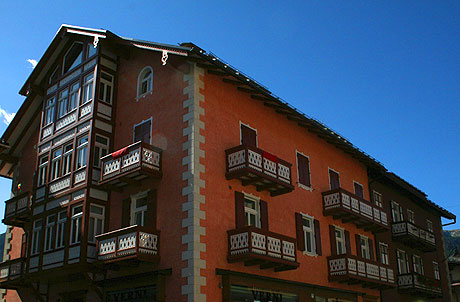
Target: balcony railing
419, 285
255, 246
351, 269
131, 164
18, 210
348, 207
414, 236
257, 167
11, 272
130, 243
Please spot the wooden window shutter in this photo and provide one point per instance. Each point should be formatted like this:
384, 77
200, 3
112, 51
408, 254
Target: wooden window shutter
319, 250
377, 251
303, 169
142, 132
239, 210
371, 249
359, 190
333, 241
24, 245
126, 212
248, 136
263, 215
299, 232
347, 243
358, 246
151, 218
334, 179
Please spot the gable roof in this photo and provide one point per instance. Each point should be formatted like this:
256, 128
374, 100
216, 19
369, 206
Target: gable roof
204, 59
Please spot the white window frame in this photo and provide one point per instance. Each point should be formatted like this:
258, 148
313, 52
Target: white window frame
138, 124
383, 250
87, 88
50, 232
82, 156
394, 212
358, 183
340, 243
50, 107
95, 218
67, 159
98, 154
68, 50
36, 236
251, 211
141, 80
377, 202
64, 100
436, 271
252, 128
429, 225
305, 187
365, 248
75, 231
55, 164
309, 232
402, 262
417, 262
60, 230
329, 177
74, 96
141, 209
106, 84
42, 170
410, 216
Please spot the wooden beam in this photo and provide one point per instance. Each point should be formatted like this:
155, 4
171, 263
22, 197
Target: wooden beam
231, 81
216, 72
261, 98
207, 66
248, 90
9, 158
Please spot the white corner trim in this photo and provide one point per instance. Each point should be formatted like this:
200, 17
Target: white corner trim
305, 215
250, 196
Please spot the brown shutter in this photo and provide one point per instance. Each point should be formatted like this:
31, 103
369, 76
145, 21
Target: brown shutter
358, 246
334, 179
307, 172
24, 245
299, 232
371, 249
248, 136
347, 243
239, 210
138, 133
303, 169
359, 190
263, 215
146, 132
377, 251
126, 212
151, 219
333, 241
319, 250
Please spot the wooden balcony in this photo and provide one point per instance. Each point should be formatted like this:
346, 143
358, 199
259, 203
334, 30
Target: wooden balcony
419, 285
341, 204
133, 243
413, 236
353, 270
131, 164
18, 210
255, 246
261, 169
12, 273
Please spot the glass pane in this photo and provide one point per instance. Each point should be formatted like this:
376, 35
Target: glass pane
91, 229
141, 202
249, 204
73, 57
96, 210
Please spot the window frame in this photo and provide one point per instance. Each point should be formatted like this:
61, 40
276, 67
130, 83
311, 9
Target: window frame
340, 243
378, 202
355, 183
49, 111
396, 210
60, 229
95, 217
98, 154
36, 236
252, 211
142, 209
402, 261
42, 170
252, 128
141, 80
149, 120
309, 232
56, 161
301, 185
50, 232
383, 251
79, 152
365, 248
329, 177
72, 67
410, 216
103, 84
417, 263
436, 271
429, 225
67, 159
76, 222
87, 88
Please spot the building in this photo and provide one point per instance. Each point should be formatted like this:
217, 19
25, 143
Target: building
151, 172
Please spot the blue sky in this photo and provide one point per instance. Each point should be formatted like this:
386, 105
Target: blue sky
386, 74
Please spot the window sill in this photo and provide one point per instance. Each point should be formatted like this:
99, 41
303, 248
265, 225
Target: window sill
304, 187
310, 254
142, 96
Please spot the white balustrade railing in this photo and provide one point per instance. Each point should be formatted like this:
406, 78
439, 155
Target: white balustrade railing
419, 282
408, 228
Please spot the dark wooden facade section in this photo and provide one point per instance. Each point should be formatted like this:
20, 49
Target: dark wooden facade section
414, 236
254, 166
419, 285
18, 210
12, 273
341, 204
255, 246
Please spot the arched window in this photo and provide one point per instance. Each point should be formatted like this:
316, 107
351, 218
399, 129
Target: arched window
145, 82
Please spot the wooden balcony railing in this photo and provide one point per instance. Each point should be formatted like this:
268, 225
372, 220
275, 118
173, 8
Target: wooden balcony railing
255, 246
352, 269
257, 167
18, 210
419, 285
11, 272
131, 164
130, 243
414, 236
348, 207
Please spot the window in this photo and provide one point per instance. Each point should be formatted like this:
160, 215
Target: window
88, 88
106, 88
340, 241
96, 222
248, 136
82, 150
418, 264
145, 82
383, 247
334, 179
56, 164
358, 189
309, 234
62, 218
303, 170
396, 212
377, 199
73, 57
54, 76
101, 149
139, 210
42, 170
252, 212
410, 216
403, 262
67, 159
62, 102
436, 272
74, 96
36, 237
49, 111
49, 232
142, 131
365, 248
429, 225
90, 50
77, 214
